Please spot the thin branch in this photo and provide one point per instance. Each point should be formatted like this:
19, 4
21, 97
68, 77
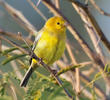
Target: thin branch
11, 84
85, 10
81, 41
65, 59
86, 80
91, 54
88, 72
77, 69
18, 16
93, 29
68, 68
98, 90
0, 45
14, 36
42, 63
37, 10
87, 93
15, 88
13, 44
16, 70
71, 67
53, 74
57, 3
13, 93
86, 17
99, 9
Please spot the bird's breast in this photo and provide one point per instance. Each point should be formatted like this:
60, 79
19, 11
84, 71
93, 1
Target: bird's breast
50, 48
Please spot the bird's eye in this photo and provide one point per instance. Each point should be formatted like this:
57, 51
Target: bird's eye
58, 23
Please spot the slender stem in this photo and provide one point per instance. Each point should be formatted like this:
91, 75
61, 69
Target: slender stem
37, 10
99, 9
77, 69
56, 77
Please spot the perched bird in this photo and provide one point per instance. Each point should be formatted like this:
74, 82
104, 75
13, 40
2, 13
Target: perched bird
49, 44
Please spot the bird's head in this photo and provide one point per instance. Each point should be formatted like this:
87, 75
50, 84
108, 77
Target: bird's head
56, 24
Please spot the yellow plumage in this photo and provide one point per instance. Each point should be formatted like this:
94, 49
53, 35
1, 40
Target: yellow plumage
49, 43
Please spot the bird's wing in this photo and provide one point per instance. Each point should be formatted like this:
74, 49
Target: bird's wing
37, 39
35, 42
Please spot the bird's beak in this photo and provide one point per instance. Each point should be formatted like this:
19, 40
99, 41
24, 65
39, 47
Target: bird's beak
66, 24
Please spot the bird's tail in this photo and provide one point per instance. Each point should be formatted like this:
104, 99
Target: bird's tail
27, 76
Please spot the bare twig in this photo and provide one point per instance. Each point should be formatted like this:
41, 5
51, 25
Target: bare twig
19, 17
64, 57
93, 29
59, 62
16, 70
15, 88
14, 35
98, 90
12, 43
42, 63
13, 93
53, 74
83, 44
77, 69
57, 3
99, 9
37, 10
87, 93
0, 45
71, 67
39, 1
86, 17
88, 72
92, 55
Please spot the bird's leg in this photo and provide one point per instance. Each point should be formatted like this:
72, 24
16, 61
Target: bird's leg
54, 71
40, 60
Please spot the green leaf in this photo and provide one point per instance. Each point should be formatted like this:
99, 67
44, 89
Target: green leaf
57, 93
8, 50
5, 98
12, 49
67, 69
2, 90
12, 58
93, 94
98, 75
107, 68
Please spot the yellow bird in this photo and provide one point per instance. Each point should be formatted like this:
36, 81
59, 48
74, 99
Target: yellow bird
49, 44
